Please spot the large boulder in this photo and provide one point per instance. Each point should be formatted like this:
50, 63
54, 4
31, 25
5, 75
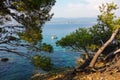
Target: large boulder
4, 59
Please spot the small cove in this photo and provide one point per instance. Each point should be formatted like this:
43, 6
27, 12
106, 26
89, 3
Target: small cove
20, 68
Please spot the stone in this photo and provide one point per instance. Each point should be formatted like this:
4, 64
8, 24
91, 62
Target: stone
4, 59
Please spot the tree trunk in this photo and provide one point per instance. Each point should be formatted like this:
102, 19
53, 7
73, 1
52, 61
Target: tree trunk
112, 54
117, 51
93, 61
87, 55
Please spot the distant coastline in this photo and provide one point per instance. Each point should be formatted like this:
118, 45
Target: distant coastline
72, 20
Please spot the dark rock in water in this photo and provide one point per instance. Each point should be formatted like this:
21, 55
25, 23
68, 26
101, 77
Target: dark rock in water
4, 59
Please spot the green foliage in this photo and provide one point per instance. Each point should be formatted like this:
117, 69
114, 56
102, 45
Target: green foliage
32, 15
83, 37
94, 37
35, 14
32, 4
32, 35
108, 16
100, 33
66, 41
43, 62
93, 47
112, 22
47, 47
76, 40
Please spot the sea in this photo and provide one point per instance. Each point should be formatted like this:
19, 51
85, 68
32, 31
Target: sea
20, 68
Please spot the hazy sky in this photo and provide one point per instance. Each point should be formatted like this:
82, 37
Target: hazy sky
79, 8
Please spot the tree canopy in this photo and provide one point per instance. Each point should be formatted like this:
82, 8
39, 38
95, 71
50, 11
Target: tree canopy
31, 14
108, 18
102, 37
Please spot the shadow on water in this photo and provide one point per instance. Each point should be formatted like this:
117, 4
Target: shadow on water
17, 68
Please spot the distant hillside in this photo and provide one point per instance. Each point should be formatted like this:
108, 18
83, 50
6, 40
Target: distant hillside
72, 20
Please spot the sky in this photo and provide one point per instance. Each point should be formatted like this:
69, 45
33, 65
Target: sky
79, 8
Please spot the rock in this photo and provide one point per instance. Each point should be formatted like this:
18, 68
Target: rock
4, 59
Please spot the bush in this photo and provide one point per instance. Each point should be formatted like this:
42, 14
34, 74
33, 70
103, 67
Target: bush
47, 47
43, 62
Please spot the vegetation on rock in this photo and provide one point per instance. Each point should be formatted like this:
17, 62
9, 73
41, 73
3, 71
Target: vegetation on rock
4, 59
43, 62
103, 36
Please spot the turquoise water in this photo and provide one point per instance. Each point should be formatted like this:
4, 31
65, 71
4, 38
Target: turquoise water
60, 30
19, 68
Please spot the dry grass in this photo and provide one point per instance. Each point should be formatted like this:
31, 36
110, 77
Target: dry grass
112, 72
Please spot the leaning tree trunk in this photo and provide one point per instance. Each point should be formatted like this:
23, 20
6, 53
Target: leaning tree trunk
87, 55
117, 51
93, 61
112, 54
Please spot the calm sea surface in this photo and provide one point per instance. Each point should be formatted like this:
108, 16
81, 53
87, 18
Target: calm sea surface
19, 68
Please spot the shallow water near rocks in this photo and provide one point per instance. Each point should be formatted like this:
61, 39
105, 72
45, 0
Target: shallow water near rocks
20, 68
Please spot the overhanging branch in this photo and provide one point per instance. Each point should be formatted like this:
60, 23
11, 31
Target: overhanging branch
18, 53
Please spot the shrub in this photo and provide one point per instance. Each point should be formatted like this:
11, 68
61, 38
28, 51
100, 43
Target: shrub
43, 62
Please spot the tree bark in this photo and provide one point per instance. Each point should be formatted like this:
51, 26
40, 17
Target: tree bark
117, 51
93, 61
112, 54
87, 55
